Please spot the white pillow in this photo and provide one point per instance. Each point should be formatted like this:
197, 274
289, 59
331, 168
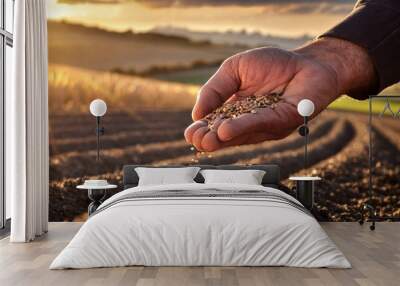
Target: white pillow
165, 176
248, 177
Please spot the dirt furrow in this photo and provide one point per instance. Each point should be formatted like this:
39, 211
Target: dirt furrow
82, 129
344, 187
66, 187
120, 140
79, 164
230, 155
292, 160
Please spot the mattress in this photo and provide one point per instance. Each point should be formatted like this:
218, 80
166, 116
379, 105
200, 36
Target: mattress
201, 225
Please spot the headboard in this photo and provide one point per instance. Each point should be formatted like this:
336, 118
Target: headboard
271, 177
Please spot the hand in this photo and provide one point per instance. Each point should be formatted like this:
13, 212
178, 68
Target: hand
317, 72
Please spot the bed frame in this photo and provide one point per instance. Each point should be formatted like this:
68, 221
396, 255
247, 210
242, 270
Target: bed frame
271, 178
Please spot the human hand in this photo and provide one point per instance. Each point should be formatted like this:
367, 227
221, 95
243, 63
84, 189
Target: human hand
317, 72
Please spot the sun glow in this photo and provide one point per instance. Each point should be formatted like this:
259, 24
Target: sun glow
138, 17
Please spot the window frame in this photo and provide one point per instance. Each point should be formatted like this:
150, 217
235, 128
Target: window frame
6, 39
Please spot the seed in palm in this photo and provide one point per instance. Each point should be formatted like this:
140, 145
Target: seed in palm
249, 104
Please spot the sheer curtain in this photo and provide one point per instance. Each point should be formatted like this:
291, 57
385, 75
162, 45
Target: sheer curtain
27, 158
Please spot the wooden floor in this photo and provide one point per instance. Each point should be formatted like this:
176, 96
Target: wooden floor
375, 257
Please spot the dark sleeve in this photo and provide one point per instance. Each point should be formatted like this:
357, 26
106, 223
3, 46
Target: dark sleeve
375, 26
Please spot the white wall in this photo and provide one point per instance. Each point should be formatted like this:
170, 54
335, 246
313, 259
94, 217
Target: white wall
8, 85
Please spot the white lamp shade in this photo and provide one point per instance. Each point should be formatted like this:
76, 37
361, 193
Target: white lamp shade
98, 107
305, 107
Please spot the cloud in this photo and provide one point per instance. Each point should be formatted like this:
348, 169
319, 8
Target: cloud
307, 8
93, 1
271, 6
168, 3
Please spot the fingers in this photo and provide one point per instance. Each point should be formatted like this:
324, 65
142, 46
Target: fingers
198, 136
221, 86
267, 121
267, 124
192, 128
210, 141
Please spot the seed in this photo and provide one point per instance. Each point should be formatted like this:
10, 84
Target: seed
246, 105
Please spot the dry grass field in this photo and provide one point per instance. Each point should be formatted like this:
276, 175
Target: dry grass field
137, 132
72, 89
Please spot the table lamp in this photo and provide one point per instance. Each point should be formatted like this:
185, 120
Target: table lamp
305, 108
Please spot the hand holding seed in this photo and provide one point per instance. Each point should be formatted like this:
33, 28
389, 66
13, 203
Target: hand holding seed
253, 98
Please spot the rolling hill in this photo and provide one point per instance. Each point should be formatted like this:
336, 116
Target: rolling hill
94, 48
244, 38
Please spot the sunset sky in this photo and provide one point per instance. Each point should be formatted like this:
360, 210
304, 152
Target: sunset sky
276, 17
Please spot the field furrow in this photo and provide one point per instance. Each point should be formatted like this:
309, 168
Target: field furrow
84, 126
76, 164
292, 161
231, 155
120, 140
344, 187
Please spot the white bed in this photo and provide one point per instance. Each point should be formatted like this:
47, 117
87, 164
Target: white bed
184, 230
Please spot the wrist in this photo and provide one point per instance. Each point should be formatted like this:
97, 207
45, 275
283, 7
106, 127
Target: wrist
351, 64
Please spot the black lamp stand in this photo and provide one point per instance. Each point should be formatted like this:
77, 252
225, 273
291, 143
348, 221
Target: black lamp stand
96, 196
304, 131
99, 132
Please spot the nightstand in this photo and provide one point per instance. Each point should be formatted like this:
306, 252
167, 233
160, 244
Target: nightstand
96, 195
305, 190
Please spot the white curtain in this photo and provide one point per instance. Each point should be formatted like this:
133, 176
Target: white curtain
27, 158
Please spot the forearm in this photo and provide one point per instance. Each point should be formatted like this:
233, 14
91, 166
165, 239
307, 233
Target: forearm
374, 26
351, 65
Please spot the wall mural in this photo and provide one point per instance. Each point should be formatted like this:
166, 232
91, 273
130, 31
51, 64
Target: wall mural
147, 60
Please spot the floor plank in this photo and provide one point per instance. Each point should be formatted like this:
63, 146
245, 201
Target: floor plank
375, 257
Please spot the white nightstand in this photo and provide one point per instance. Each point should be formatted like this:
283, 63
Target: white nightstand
96, 194
305, 187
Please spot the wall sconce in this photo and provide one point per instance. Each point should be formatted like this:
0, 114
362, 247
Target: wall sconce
98, 108
305, 108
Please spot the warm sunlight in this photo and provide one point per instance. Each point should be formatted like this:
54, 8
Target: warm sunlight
275, 19
199, 142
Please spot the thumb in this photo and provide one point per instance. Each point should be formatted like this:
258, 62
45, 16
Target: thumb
221, 86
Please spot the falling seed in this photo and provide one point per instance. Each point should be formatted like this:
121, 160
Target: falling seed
192, 148
253, 111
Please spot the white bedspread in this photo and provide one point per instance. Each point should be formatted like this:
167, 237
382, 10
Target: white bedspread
200, 231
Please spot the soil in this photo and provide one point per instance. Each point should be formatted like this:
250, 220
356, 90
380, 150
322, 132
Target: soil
338, 152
